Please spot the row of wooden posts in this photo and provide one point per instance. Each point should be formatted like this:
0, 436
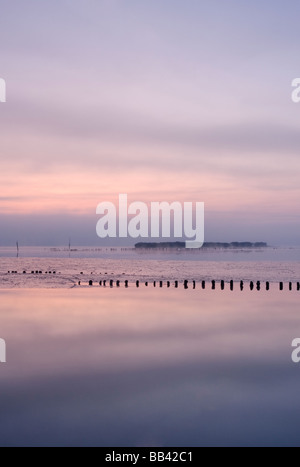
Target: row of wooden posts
253, 285
32, 272
111, 283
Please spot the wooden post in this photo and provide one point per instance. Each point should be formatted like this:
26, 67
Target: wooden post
194, 285
146, 284
213, 285
104, 283
203, 285
267, 286
290, 286
161, 284
137, 283
242, 285
111, 283
281, 286
168, 284
154, 284
100, 283
251, 285
90, 283
231, 285
118, 283
222, 285
258, 285
298, 286
176, 284
126, 284
186, 284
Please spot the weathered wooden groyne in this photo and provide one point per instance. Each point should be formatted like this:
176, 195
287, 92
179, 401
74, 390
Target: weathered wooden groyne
186, 284
213, 285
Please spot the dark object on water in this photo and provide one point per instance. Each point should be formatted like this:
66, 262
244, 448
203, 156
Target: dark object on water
242, 285
104, 283
290, 286
186, 284
90, 283
267, 286
111, 283
213, 285
298, 286
137, 284
146, 284
203, 285
118, 283
154, 284
281, 286
160, 284
222, 285
258, 285
126, 284
182, 245
168, 284
79, 283
194, 285
251, 285
231, 285
176, 284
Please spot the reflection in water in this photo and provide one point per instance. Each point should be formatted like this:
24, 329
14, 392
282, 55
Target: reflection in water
149, 367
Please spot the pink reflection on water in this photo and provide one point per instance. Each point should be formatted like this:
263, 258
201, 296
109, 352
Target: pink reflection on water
62, 331
160, 367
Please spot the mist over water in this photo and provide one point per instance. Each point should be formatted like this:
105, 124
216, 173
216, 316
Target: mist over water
266, 264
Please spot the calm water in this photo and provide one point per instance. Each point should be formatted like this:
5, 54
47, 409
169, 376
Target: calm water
149, 367
268, 264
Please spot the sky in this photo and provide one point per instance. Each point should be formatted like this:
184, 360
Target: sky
165, 100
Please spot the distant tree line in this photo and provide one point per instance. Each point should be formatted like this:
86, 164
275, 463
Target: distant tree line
179, 245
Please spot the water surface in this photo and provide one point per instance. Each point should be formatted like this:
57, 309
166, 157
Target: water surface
149, 367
